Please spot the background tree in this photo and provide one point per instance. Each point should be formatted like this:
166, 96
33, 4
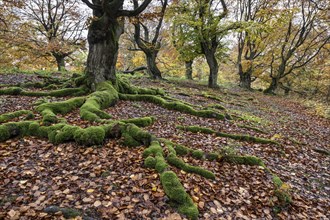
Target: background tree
58, 26
148, 44
298, 41
253, 15
185, 40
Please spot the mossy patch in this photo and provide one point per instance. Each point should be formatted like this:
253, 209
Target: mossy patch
150, 162
177, 194
197, 129
89, 136
179, 163
198, 154
104, 96
134, 136
141, 122
11, 115
246, 160
68, 213
175, 105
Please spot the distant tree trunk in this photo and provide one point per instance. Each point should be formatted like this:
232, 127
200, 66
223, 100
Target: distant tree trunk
60, 62
189, 69
245, 77
209, 52
153, 70
273, 86
103, 37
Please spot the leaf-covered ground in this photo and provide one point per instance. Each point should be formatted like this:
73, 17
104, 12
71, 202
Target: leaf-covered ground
110, 181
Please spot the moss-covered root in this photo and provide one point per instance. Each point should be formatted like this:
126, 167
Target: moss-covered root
49, 110
11, 115
126, 88
141, 122
56, 93
196, 129
177, 194
177, 162
247, 160
104, 96
282, 192
175, 105
154, 157
134, 136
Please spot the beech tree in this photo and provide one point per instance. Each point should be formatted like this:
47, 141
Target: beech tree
104, 32
298, 41
58, 26
148, 44
253, 14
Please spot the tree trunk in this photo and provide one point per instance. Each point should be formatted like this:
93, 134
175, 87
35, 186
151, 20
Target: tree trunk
153, 70
214, 68
273, 85
103, 37
189, 69
245, 77
60, 63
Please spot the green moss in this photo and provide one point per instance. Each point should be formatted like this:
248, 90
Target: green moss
4, 133
277, 181
65, 134
129, 141
175, 105
132, 132
63, 107
161, 164
105, 96
283, 196
212, 156
141, 122
177, 162
153, 150
198, 154
124, 87
89, 136
177, 194
57, 93
217, 106
197, 129
11, 91
150, 162
182, 150
247, 160
12, 115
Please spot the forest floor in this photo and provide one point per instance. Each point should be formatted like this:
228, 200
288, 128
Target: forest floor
111, 182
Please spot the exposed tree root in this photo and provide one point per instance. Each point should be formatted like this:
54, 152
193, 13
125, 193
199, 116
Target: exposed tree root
55, 93
252, 128
9, 116
175, 105
196, 129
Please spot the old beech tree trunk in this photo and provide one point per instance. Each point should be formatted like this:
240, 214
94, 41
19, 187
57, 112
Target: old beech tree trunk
103, 37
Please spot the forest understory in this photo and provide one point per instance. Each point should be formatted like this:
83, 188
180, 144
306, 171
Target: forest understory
288, 178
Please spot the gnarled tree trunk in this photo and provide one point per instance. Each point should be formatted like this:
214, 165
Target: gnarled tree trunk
103, 37
209, 49
153, 70
245, 77
273, 86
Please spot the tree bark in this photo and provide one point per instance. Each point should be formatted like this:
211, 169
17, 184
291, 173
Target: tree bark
60, 62
103, 38
153, 70
245, 77
188, 65
273, 86
213, 67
